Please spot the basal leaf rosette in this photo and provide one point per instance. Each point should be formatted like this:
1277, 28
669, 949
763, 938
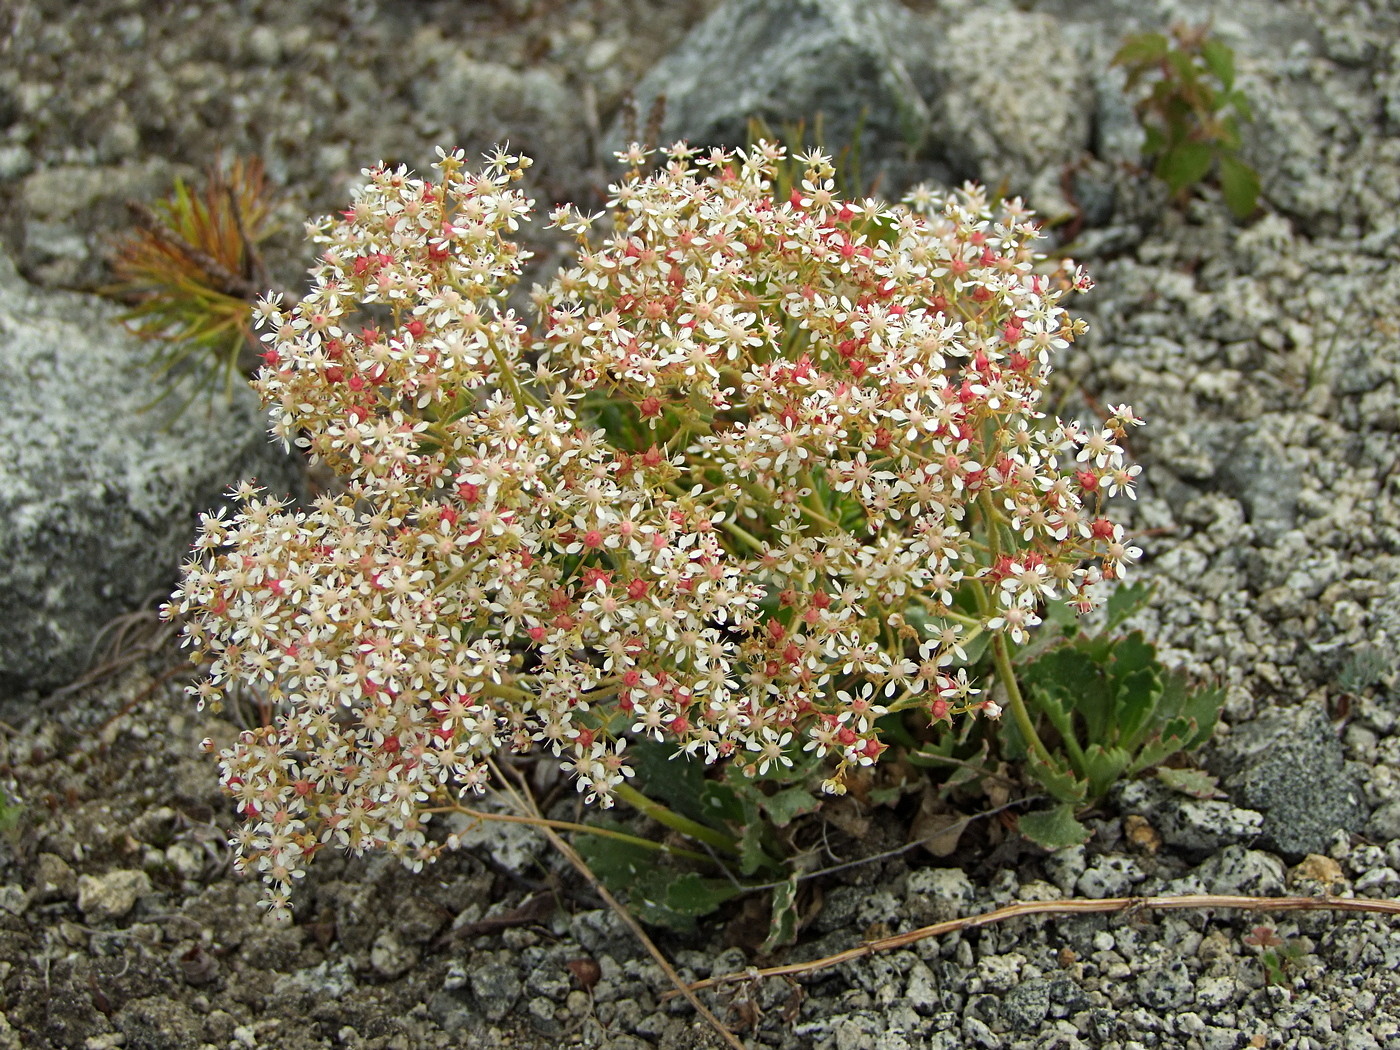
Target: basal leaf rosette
760, 473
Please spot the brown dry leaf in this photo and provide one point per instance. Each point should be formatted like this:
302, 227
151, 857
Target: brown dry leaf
845, 815
936, 827
586, 972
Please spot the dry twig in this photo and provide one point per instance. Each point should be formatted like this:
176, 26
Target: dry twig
525, 801
1069, 907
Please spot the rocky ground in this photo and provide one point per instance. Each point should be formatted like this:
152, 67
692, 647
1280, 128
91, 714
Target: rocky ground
1265, 355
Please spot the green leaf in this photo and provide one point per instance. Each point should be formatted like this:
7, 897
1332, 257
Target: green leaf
1153, 142
1194, 782
669, 776
1054, 679
1239, 185
1220, 60
753, 830
1059, 614
1132, 653
785, 806
1126, 601
1185, 164
1203, 707
782, 927
1058, 778
1196, 709
752, 855
720, 803
1176, 735
1142, 49
892, 730
656, 893
1054, 828
618, 864
1136, 703
692, 895
1186, 70
1103, 766
1240, 104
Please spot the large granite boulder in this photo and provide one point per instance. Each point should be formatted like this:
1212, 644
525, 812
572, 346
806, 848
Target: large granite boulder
925, 96
784, 61
98, 491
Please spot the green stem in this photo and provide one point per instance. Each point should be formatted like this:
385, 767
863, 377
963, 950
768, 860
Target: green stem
1015, 701
673, 820
740, 533
813, 504
943, 612
1007, 675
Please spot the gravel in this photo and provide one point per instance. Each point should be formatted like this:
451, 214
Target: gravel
1265, 356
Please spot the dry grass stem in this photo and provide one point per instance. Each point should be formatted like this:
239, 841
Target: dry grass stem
525, 800
1069, 907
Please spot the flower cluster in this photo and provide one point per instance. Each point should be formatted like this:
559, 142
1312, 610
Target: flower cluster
758, 475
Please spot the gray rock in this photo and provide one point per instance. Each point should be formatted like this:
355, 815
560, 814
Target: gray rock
1165, 986
474, 101
978, 1034
1289, 765
790, 60
452, 1012
1064, 866
1216, 992
1192, 824
1214, 1037
1019, 122
112, 894
158, 1023
1025, 1006
53, 879
496, 984
1253, 466
390, 956
1250, 873
922, 992
97, 496
1385, 822
1110, 875
65, 210
939, 894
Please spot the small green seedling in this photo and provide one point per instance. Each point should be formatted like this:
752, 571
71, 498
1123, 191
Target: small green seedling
1191, 113
1280, 958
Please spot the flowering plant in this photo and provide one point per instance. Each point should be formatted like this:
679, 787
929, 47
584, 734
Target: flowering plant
762, 473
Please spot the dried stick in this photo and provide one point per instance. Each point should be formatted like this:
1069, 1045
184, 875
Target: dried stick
1069, 907
220, 278
527, 802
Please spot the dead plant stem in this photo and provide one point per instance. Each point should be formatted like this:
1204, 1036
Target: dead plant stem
1063, 907
525, 800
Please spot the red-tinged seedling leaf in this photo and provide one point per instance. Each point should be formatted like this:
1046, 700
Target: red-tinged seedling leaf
1142, 51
